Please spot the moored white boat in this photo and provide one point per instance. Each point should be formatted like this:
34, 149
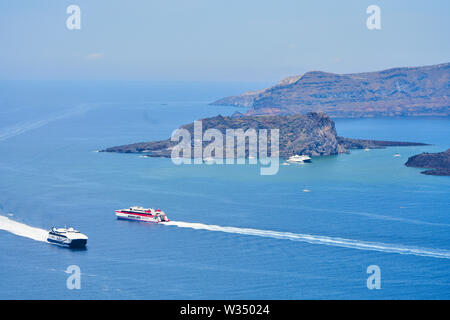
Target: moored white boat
209, 160
299, 159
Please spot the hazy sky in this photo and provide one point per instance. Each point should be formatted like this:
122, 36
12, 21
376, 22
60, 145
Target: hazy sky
217, 40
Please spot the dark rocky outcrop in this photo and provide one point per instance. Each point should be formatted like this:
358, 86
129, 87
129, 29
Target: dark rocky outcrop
349, 143
313, 134
437, 163
418, 91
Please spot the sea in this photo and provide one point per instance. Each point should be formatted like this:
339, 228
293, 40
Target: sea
311, 231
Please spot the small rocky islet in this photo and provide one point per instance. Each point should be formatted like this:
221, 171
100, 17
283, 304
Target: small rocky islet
312, 134
438, 164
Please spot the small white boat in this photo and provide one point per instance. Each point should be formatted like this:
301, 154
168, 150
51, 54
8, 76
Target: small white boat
67, 237
299, 159
397, 155
208, 160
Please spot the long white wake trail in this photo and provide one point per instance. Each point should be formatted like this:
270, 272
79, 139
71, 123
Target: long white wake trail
22, 229
314, 239
38, 234
23, 127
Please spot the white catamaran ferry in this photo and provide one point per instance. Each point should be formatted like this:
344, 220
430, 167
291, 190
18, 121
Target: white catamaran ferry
67, 237
142, 214
299, 159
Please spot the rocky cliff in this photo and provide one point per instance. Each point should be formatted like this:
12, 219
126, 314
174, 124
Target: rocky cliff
437, 163
415, 91
313, 134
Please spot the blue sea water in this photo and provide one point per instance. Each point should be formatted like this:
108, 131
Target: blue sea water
363, 208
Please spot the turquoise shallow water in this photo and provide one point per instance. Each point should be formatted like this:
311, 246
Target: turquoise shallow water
50, 175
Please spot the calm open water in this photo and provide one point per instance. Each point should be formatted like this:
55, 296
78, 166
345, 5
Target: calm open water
363, 208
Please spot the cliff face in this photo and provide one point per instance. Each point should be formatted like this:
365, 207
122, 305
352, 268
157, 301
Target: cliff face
247, 98
313, 134
415, 91
438, 163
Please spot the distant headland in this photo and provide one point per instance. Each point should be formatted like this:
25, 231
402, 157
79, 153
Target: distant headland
412, 91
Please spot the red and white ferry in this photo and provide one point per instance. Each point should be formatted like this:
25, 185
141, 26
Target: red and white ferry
142, 214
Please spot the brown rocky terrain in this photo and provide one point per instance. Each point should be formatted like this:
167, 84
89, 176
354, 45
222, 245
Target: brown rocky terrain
313, 134
414, 91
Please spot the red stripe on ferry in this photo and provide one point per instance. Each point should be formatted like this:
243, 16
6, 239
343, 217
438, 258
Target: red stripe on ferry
136, 214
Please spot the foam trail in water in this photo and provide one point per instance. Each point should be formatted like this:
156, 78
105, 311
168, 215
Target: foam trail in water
23, 230
331, 241
23, 127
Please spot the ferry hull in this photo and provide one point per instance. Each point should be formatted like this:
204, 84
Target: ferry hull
75, 243
136, 217
299, 161
78, 243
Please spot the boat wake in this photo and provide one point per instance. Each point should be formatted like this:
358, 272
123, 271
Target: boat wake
23, 127
38, 234
314, 239
22, 229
